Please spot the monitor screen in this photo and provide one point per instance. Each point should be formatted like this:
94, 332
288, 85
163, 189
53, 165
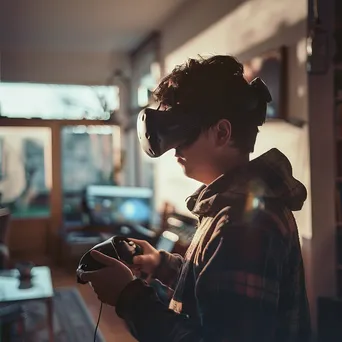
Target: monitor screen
111, 205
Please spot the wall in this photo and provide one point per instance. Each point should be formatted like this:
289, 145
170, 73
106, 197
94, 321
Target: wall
322, 145
61, 68
144, 66
294, 143
286, 25
235, 29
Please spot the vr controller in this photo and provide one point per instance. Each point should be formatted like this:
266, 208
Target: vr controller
117, 247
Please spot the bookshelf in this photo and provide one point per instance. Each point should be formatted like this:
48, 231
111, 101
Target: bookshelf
338, 134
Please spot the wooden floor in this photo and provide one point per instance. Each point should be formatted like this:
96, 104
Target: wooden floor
112, 327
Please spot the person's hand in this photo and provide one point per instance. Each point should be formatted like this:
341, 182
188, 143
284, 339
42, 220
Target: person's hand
109, 281
147, 262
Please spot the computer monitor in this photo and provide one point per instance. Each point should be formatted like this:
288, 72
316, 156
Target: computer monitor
116, 205
73, 208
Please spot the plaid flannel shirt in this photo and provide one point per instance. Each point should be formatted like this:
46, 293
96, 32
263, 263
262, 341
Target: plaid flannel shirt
242, 278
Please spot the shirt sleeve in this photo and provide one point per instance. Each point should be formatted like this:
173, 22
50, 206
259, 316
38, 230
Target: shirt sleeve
237, 292
168, 270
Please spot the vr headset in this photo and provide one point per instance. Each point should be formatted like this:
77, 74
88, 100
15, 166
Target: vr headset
162, 130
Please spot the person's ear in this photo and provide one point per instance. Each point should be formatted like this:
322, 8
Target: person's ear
223, 132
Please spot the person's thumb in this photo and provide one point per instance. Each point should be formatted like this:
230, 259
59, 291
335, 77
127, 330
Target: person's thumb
103, 259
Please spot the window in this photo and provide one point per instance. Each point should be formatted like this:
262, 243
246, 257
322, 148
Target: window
147, 84
52, 101
91, 155
25, 170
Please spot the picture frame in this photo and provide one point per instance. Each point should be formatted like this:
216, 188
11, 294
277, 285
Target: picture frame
271, 67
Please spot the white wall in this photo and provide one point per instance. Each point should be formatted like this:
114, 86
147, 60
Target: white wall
244, 29
61, 67
294, 143
171, 185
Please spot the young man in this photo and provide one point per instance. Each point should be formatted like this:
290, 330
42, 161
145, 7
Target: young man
242, 278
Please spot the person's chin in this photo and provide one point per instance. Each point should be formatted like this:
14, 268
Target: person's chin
186, 169
182, 164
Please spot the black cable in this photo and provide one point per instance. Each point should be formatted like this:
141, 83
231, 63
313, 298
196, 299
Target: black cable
97, 324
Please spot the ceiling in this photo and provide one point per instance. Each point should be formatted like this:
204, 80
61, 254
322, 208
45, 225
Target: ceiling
80, 25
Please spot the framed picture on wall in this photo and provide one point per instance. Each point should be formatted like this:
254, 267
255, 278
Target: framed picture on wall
271, 68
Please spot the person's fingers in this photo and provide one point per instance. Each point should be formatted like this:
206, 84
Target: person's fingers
141, 243
139, 259
135, 268
103, 259
137, 272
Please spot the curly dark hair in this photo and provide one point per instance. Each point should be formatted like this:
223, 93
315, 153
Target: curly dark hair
210, 89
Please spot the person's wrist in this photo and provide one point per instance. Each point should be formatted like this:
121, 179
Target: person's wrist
159, 265
158, 260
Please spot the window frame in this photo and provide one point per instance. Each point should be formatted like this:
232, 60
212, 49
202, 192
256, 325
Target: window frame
55, 219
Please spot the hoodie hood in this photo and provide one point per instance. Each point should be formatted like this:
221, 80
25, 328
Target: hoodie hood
268, 177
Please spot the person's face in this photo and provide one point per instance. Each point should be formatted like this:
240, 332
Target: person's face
204, 159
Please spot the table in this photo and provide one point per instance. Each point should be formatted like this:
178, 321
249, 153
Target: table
38, 288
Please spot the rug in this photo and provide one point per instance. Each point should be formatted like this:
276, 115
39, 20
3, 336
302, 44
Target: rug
72, 320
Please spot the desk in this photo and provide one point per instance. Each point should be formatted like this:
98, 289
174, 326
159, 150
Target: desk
39, 287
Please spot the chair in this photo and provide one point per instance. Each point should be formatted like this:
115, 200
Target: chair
5, 216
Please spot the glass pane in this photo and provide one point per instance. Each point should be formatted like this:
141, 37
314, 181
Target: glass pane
90, 156
53, 101
147, 84
25, 176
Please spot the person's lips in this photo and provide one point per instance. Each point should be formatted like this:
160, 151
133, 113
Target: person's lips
181, 160
180, 157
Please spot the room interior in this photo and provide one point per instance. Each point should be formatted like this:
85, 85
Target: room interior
73, 78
